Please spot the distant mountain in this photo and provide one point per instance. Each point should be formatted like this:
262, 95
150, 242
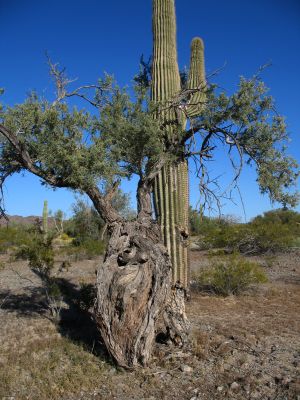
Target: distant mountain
18, 220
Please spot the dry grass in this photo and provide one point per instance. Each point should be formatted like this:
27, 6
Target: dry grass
244, 347
48, 369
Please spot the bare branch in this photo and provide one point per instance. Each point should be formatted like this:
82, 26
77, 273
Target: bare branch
61, 83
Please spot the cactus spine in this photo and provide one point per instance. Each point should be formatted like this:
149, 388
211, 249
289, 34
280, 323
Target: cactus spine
171, 187
45, 219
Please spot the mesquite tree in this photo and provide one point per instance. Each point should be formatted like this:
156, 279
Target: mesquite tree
71, 148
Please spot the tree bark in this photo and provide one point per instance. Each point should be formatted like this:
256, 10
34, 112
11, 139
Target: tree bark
133, 290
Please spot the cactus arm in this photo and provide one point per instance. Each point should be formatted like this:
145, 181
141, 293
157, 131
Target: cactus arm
196, 79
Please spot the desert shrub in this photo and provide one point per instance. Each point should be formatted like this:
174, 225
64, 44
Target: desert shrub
252, 239
231, 275
13, 237
93, 248
65, 236
296, 242
88, 248
54, 297
208, 226
86, 296
276, 230
271, 237
85, 223
39, 253
286, 217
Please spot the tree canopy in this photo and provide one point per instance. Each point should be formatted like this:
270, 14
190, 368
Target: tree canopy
90, 152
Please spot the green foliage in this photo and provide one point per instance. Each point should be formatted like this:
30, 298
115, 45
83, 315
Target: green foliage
207, 226
276, 230
58, 218
40, 255
86, 296
67, 147
86, 227
13, 237
259, 137
232, 275
285, 217
133, 136
85, 224
54, 136
53, 289
88, 248
65, 237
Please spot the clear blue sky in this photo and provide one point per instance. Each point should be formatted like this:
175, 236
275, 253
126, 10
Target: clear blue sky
92, 36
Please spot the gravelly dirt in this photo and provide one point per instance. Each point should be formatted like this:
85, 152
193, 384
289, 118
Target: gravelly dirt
245, 347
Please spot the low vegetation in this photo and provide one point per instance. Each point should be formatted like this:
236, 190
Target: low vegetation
231, 275
277, 230
54, 362
54, 366
13, 237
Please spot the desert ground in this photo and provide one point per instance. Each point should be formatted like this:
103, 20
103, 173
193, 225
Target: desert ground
240, 347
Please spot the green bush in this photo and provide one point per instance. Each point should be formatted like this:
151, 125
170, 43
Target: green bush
86, 296
53, 289
231, 275
39, 253
64, 236
276, 230
13, 236
80, 250
296, 242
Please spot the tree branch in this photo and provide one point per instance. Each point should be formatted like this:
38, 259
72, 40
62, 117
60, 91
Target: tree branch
61, 83
101, 203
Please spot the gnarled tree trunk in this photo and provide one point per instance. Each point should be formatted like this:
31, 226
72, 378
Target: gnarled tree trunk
133, 290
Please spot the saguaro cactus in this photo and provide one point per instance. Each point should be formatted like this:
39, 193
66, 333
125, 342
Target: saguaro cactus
171, 188
45, 219
196, 77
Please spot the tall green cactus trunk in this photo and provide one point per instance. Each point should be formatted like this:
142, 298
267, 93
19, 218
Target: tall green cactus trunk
45, 220
171, 188
171, 185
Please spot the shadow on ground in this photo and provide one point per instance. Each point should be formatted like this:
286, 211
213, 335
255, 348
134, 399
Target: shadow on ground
75, 323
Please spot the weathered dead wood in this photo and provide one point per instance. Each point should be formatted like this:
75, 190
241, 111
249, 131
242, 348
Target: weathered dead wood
175, 319
132, 287
133, 290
